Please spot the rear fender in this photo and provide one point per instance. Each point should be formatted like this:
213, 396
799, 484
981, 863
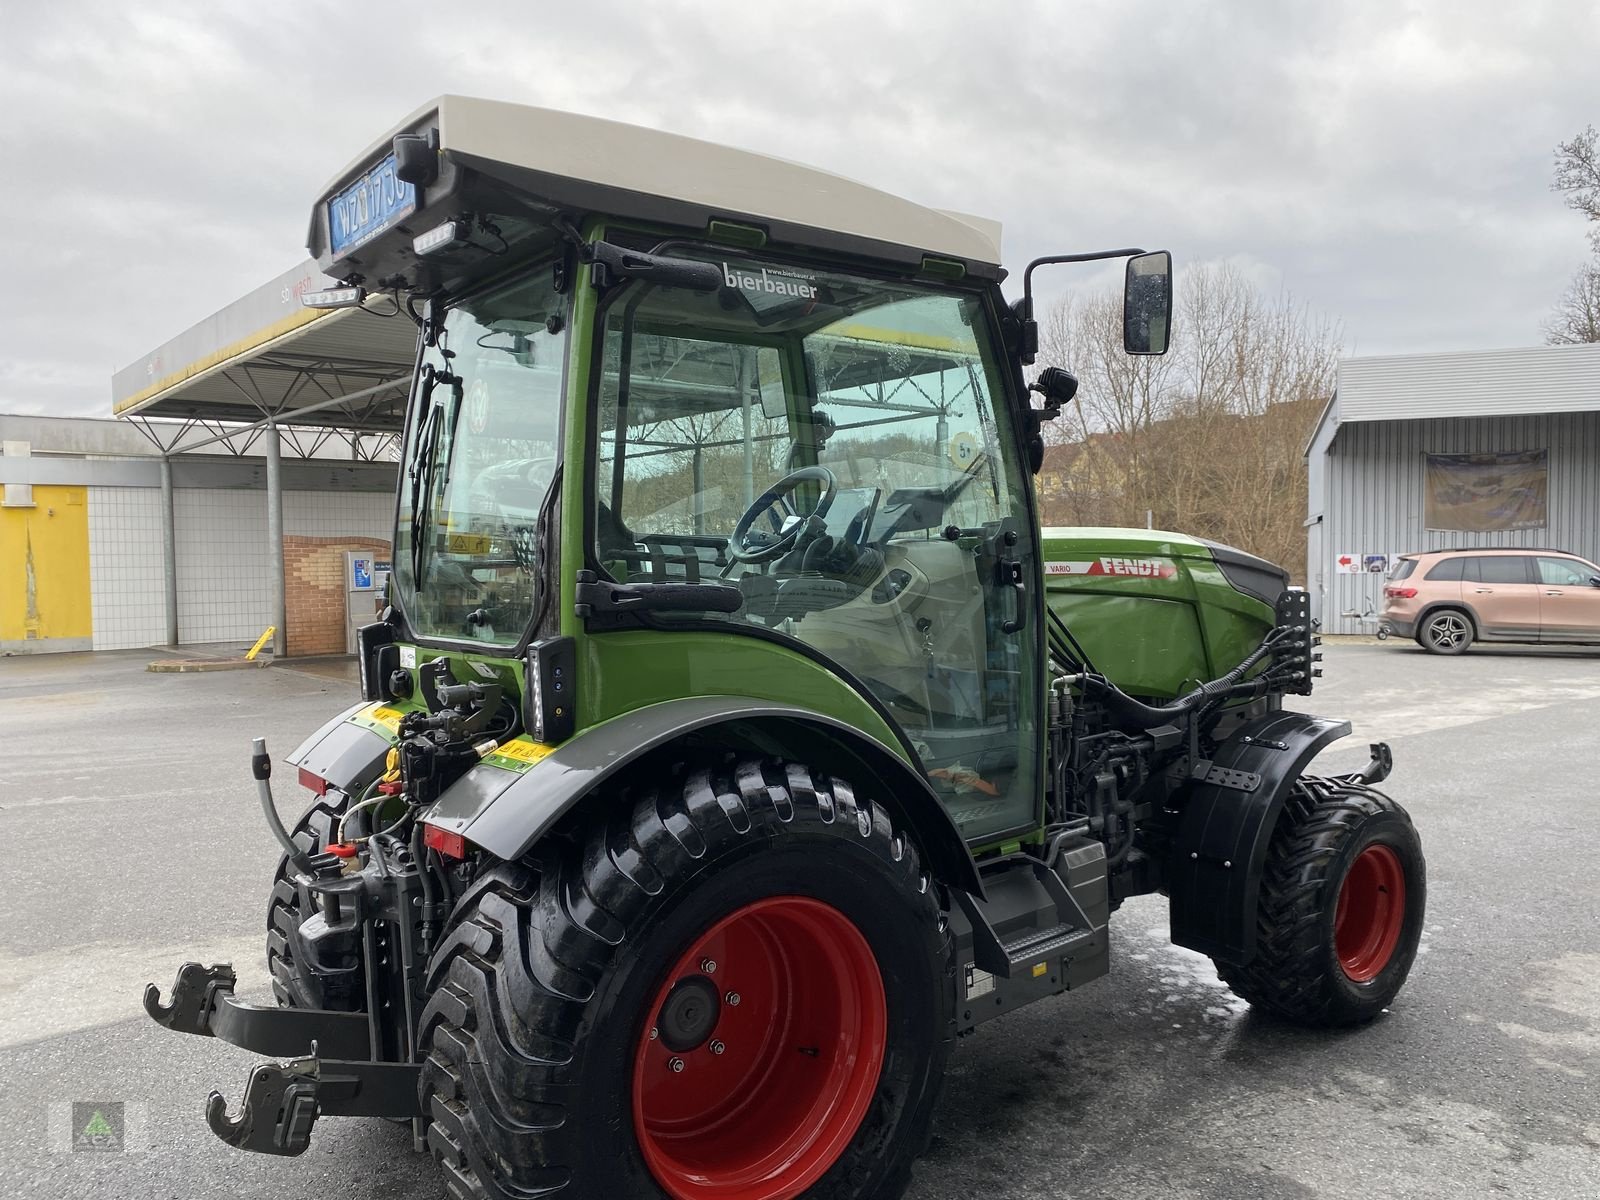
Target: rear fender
1221, 847
506, 812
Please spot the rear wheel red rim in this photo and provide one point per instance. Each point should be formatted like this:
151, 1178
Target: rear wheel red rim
1370, 914
760, 1053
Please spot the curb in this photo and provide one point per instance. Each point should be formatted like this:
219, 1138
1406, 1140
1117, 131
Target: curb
200, 666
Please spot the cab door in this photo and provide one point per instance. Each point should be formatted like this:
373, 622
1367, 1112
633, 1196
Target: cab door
1569, 600
1501, 590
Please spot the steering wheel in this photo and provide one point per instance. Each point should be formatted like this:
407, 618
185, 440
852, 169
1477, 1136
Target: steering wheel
739, 552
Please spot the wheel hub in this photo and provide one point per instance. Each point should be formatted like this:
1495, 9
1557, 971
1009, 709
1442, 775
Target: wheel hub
1370, 913
751, 1086
690, 1014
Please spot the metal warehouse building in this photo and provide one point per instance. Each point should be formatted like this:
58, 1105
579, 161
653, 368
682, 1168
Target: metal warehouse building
1430, 451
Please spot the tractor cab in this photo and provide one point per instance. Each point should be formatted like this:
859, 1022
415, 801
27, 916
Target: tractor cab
671, 398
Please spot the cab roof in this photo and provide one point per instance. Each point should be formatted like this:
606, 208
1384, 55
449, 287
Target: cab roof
586, 164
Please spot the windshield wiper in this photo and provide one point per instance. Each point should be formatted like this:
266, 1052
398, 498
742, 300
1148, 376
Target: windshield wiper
421, 470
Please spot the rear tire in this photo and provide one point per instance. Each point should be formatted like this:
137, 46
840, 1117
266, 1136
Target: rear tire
1343, 897
540, 1070
1445, 631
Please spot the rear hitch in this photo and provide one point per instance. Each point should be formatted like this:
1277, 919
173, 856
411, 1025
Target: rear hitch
277, 1112
194, 997
282, 1101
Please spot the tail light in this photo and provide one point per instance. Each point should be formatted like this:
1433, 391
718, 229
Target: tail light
313, 783
1400, 593
446, 842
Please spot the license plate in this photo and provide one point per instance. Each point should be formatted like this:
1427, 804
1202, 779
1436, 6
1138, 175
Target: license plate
369, 206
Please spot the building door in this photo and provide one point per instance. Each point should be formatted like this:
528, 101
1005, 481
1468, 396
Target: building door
44, 572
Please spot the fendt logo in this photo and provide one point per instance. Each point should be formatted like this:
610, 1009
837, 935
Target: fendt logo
1137, 568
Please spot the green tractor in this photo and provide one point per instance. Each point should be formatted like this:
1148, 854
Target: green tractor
736, 740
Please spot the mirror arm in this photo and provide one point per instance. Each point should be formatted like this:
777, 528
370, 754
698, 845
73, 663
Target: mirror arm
610, 264
1029, 347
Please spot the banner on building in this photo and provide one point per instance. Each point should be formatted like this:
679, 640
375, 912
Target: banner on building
1487, 493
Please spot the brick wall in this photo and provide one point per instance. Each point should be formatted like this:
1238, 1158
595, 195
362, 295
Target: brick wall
314, 589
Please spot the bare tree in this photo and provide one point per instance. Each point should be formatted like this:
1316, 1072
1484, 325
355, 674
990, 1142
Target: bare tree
1208, 440
1578, 177
1576, 319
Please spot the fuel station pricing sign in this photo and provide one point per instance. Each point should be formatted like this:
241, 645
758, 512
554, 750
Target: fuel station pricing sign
368, 206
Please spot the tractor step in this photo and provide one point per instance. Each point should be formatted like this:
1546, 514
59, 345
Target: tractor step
1036, 946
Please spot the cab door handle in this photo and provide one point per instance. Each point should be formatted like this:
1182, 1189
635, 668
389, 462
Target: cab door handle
1554, 593
1009, 573
1484, 591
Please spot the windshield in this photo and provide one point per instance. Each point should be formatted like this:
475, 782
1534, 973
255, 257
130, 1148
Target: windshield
481, 452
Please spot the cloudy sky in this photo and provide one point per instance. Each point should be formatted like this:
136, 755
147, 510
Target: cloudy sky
1386, 162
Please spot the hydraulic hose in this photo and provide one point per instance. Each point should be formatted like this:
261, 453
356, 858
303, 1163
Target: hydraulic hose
261, 768
1147, 716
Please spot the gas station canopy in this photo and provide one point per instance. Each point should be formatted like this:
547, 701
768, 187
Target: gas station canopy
265, 358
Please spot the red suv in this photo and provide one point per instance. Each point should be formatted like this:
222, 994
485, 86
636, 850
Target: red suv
1446, 599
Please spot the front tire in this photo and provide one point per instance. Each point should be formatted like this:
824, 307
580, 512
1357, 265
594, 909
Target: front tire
737, 983
1342, 904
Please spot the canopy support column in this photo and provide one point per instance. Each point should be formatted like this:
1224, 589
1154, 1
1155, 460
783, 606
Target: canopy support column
280, 638
169, 550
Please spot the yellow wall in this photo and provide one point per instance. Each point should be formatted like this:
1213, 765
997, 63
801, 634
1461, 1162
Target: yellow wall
44, 567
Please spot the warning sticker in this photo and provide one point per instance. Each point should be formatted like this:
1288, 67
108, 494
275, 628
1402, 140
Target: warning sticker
979, 983
478, 406
467, 543
1136, 568
389, 718
519, 754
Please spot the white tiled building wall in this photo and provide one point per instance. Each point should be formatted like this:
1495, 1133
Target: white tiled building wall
223, 564
338, 514
223, 572
127, 596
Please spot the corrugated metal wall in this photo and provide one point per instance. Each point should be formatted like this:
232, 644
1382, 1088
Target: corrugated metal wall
1374, 499
1478, 383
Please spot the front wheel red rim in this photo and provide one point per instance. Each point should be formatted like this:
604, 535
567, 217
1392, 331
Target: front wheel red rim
760, 1053
1370, 914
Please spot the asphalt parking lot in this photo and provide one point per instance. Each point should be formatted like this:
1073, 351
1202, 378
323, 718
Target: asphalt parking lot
132, 842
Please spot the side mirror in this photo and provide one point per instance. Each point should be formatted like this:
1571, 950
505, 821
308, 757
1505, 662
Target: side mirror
1147, 303
1594, 581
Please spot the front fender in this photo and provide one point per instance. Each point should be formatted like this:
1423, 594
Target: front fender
1222, 842
349, 750
506, 811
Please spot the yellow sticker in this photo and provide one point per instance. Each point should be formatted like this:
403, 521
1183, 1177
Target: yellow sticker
389, 718
467, 543
524, 751
1039, 969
